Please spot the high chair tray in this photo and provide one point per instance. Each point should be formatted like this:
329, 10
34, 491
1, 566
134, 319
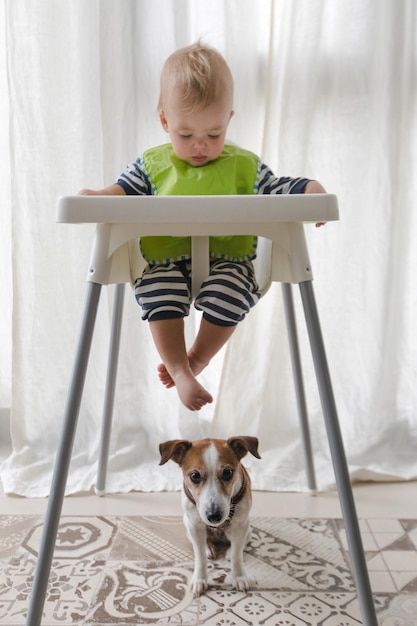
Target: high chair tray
244, 209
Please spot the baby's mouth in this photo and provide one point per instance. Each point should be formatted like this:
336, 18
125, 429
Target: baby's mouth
199, 158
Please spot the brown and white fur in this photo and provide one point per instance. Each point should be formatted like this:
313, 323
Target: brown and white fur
216, 500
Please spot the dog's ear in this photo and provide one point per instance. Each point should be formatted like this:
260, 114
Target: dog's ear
174, 450
242, 445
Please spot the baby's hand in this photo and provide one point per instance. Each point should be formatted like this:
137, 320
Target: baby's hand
111, 190
313, 186
88, 192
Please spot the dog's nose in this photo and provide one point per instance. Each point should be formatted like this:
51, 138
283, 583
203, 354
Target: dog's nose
214, 516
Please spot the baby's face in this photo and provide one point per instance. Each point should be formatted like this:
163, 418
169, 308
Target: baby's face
197, 137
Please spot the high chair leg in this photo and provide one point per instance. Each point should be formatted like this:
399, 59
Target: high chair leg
299, 385
344, 487
109, 392
63, 458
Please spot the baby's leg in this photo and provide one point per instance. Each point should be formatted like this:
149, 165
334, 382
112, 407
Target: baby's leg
210, 339
163, 292
225, 298
168, 336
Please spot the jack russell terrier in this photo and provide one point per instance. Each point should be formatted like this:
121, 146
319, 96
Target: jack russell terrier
216, 500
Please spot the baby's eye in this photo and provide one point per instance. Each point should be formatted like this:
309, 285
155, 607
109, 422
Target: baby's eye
185, 136
214, 136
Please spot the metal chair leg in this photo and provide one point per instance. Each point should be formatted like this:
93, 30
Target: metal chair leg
344, 488
63, 458
109, 393
299, 385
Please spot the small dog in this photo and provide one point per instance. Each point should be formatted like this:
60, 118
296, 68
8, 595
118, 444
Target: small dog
216, 500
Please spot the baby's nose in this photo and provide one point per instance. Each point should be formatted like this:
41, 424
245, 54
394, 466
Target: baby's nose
200, 142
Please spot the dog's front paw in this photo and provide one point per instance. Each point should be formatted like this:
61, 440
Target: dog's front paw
242, 583
199, 586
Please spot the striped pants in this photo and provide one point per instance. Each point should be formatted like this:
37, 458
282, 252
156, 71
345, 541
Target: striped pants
225, 297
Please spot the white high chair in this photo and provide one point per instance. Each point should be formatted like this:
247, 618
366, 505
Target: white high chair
283, 257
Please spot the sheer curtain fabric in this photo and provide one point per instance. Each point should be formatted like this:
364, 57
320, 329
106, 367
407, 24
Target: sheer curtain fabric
323, 89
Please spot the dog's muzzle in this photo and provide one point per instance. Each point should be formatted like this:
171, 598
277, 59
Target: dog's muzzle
214, 516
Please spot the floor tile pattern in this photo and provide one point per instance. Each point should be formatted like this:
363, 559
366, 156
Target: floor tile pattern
112, 571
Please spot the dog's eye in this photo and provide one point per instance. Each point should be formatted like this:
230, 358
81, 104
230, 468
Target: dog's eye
227, 473
195, 477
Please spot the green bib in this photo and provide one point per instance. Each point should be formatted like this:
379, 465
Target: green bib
234, 172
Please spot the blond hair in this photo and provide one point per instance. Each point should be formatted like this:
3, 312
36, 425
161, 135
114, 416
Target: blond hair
200, 72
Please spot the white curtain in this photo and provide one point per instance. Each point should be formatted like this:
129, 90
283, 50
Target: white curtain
324, 89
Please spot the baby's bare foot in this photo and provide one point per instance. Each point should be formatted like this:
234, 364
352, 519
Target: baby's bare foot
191, 393
164, 376
196, 366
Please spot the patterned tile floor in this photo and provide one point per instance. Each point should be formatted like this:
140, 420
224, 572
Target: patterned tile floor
136, 570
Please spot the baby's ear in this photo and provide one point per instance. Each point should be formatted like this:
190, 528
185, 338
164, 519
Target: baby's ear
163, 120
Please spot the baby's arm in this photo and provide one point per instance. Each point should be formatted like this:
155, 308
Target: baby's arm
134, 181
111, 190
271, 184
